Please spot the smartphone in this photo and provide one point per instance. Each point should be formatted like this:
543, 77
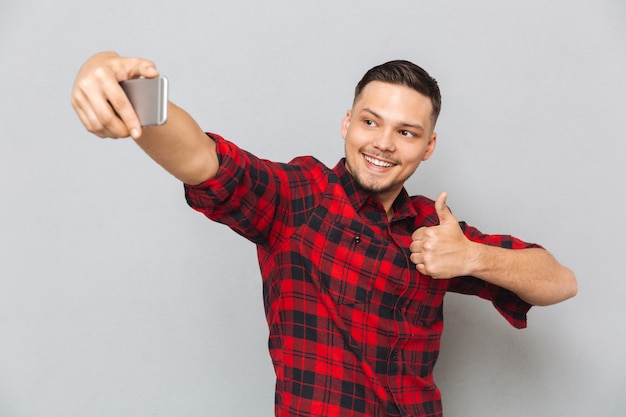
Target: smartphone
148, 97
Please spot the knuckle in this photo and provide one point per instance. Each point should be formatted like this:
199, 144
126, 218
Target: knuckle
95, 128
146, 63
100, 73
85, 83
119, 103
107, 119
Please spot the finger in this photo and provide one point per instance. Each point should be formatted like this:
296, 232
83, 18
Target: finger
443, 212
86, 113
417, 258
104, 64
102, 118
131, 68
93, 108
419, 234
421, 268
78, 108
128, 68
123, 112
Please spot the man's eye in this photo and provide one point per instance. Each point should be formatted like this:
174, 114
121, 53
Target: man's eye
369, 122
406, 133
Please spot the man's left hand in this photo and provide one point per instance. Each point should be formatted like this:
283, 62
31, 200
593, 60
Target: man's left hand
441, 251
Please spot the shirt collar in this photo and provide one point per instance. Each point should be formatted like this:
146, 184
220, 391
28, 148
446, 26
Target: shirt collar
358, 197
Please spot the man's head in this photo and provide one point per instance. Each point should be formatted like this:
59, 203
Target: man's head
390, 128
404, 73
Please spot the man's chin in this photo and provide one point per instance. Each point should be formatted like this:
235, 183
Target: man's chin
373, 187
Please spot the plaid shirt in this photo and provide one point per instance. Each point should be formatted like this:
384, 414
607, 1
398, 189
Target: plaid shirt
354, 328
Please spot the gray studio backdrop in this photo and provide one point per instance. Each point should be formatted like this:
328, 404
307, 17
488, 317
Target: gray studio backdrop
116, 299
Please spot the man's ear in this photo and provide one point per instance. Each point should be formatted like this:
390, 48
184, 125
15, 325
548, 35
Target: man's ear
345, 124
430, 148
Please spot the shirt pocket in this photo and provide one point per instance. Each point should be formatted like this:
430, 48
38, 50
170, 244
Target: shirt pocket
425, 305
350, 261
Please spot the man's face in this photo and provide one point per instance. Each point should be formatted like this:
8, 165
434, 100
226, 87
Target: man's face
388, 132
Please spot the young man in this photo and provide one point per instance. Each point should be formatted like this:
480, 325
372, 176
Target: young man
354, 269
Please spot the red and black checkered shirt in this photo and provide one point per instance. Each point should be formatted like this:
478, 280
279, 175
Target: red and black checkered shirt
354, 328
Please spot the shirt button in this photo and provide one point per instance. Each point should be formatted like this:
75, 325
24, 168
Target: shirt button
357, 239
394, 354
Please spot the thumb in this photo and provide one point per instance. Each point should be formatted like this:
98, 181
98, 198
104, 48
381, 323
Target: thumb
127, 68
443, 212
142, 68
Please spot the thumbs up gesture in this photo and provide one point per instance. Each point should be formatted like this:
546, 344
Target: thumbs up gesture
442, 251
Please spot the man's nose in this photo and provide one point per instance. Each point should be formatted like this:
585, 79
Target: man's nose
385, 141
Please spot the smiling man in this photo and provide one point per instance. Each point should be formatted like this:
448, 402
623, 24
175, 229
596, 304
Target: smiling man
389, 131
354, 269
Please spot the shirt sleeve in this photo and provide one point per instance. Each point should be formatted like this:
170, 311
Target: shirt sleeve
257, 198
509, 304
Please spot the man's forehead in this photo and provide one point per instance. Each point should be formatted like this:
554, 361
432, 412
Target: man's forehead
408, 105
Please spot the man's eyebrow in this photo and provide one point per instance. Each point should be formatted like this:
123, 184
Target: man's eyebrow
403, 124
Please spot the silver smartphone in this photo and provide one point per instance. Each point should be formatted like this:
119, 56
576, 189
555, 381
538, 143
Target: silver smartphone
148, 97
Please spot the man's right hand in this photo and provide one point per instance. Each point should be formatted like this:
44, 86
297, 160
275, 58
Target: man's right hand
100, 102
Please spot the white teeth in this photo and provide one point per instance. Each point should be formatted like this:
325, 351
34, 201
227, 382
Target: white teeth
377, 162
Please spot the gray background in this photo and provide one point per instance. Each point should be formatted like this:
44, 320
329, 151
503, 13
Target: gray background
116, 299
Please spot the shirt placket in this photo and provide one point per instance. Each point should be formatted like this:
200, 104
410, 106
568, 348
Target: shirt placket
401, 281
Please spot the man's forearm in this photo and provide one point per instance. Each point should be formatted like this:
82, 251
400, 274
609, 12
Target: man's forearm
181, 147
533, 274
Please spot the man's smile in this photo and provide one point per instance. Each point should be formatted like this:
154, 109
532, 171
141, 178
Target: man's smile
378, 162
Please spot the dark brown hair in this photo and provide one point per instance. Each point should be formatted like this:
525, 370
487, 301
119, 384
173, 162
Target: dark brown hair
404, 73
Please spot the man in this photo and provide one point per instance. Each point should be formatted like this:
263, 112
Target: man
354, 269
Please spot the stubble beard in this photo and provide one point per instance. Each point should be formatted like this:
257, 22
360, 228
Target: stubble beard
372, 186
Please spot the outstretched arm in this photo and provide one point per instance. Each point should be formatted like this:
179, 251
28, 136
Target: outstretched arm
444, 252
180, 146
